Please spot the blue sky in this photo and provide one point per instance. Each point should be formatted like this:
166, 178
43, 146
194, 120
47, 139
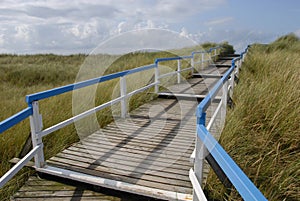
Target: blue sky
66, 27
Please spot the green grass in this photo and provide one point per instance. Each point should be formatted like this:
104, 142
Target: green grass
262, 132
27, 74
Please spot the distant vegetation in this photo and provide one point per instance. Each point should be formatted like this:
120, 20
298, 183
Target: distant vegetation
21, 75
262, 132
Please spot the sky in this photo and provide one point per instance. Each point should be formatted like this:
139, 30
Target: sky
79, 26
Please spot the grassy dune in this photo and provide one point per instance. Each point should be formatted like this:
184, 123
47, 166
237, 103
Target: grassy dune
27, 74
262, 132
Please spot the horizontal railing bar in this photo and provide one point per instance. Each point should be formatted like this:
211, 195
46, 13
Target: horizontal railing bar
17, 167
78, 117
142, 89
13, 120
238, 178
213, 118
89, 112
167, 74
197, 187
171, 58
75, 86
187, 57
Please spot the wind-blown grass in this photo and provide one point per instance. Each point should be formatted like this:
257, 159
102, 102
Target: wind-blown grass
262, 132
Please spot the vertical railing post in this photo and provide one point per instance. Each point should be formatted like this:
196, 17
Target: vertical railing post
36, 126
224, 100
123, 90
156, 71
178, 71
200, 153
192, 64
239, 63
232, 83
202, 60
232, 80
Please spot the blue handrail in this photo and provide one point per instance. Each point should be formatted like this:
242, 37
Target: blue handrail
233, 172
207, 100
170, 59
60, 90
238, 178
15, 119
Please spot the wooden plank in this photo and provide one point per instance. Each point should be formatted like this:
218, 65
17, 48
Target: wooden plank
41, 189
97, 171
144, 165
164, 154
117, 185
126, 169
117, 156
125, 152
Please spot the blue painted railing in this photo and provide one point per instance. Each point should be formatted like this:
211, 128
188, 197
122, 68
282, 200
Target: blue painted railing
242, 183
237, 177
71, 87
15, 119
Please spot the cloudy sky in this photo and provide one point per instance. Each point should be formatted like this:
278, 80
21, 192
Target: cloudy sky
78, 26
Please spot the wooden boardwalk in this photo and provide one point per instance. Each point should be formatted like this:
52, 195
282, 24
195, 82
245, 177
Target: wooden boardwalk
147, 153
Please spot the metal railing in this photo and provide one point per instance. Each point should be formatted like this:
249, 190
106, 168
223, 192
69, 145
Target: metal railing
36, 123
207, 144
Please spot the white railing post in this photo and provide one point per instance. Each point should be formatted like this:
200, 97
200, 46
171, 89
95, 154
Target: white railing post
202, 60
232, 83
36, 126
224, 100
123, 90
178, 71
156, 78
200, 154
192, 64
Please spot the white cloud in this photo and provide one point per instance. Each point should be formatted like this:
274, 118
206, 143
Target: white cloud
78, 26
220, 21
22, 32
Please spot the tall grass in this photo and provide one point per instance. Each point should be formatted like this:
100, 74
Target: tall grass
262, 132
27, 74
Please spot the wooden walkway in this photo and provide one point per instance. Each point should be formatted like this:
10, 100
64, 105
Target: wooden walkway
147, 153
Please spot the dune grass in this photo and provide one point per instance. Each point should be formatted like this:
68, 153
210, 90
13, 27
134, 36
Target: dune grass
262, 132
